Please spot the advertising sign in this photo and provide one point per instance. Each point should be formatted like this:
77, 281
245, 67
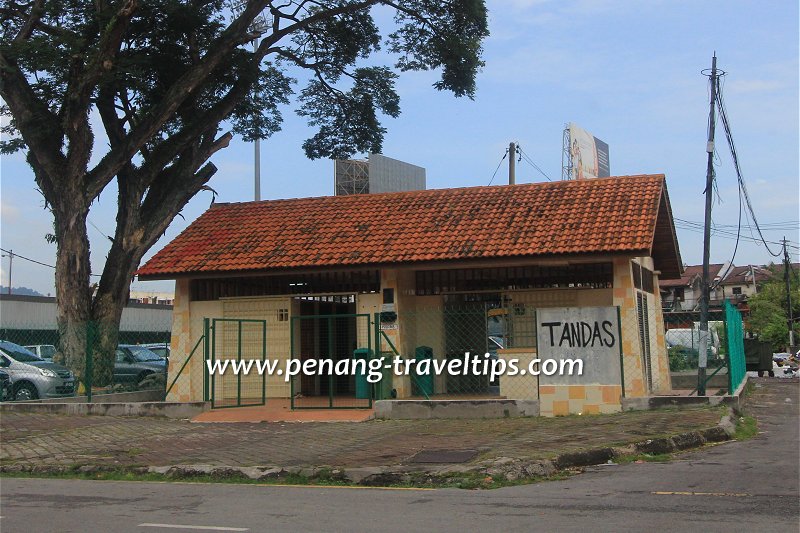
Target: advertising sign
590, 334
589, 155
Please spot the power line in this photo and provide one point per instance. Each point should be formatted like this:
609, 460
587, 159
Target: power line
740, 178
498, 166
528, 160
726, 234
35, 261
99, 230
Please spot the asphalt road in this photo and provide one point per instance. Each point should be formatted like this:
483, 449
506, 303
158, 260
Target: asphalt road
740, 486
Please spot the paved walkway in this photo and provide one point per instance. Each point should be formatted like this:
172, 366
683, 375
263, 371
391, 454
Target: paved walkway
33, 439
280, 410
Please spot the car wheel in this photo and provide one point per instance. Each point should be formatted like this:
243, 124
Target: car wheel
761, 373
141, 377
25, 391
772, 373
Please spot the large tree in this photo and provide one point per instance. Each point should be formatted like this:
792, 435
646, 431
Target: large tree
171, 82
769, 310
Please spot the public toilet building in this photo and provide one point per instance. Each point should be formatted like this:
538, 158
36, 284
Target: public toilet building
543, 270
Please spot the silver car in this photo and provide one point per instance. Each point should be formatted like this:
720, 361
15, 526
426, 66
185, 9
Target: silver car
32, 377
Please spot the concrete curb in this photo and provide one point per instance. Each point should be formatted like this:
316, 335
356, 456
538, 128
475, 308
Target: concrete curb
162, 409
509, 468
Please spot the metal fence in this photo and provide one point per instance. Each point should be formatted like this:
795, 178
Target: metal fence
101, 362
327, 348
658, 354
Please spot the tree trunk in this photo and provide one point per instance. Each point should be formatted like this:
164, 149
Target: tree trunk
73, 290
109, 302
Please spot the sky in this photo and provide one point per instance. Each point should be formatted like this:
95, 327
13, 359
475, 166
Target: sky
627, 71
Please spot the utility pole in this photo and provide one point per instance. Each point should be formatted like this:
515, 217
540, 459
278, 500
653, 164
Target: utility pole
257, 148
512, 162
10, 264
705, 292
787, 265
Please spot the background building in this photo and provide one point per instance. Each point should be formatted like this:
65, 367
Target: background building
377, 174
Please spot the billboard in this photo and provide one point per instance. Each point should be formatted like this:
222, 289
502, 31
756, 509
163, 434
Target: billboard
588, 154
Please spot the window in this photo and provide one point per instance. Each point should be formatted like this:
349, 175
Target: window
644, 336
737, 291
643, 278
586, 275
283, 315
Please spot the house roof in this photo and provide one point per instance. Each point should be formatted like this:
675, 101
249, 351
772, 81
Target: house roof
715, 272
743, 275
628, 214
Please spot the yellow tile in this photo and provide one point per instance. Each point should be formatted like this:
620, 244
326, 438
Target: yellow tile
611, 395
577, 392
561, 408
546, 390
591, 409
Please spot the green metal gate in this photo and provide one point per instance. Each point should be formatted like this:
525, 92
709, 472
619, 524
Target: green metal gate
320, 344
233, 348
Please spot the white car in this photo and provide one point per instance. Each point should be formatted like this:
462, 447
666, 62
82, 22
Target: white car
45, 351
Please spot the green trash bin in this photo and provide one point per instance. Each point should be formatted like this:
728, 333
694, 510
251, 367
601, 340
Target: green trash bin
363, 387
422, 385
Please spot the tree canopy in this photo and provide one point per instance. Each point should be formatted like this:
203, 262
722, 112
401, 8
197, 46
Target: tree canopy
170, 82
768, 311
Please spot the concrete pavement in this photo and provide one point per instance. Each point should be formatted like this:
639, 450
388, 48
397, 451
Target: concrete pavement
747, 486
119, 442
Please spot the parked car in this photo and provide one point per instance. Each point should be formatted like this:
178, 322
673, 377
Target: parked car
32, 377
161, 349
690, 338
5, 386
45, 351
134, 363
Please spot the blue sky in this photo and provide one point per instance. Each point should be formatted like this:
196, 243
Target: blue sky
627, 71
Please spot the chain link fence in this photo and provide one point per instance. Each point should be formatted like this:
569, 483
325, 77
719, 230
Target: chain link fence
658, 354
89, 360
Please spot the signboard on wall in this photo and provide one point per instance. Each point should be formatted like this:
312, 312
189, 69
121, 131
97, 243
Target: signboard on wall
591, 334
589, 155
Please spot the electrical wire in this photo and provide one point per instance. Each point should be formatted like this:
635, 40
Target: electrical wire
99, 230
736, 246
525, 157
740, 178
498, 166
15, 254
697, 227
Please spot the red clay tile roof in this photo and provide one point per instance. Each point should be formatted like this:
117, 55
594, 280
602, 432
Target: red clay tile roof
604, 216
689, 273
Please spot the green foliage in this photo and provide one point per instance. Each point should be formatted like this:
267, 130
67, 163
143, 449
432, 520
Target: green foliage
768, 311
682, 358
163, 41
163, 78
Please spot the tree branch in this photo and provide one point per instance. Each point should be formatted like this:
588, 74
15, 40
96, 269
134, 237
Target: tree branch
235, 35
38, 126
27, 29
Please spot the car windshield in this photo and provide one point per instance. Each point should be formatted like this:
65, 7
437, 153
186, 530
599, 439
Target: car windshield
18, 353
48, 351
142, 354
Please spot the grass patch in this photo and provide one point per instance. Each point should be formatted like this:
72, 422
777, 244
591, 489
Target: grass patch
746, 428
644, 457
